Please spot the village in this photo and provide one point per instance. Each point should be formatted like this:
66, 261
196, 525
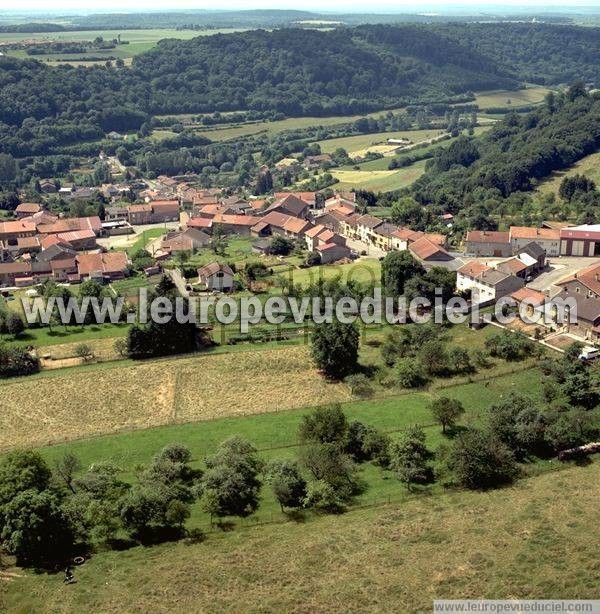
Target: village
170, 220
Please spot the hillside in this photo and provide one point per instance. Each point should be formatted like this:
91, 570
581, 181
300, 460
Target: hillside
515, 153
300, 72
537, 53
379, 65
534, 540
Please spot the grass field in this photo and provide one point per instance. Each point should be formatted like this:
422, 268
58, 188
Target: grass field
43, 337
366, 270
588, 166
535, 540
139, 41
66, 406
361, 142
379, 181
506, 98
292, 123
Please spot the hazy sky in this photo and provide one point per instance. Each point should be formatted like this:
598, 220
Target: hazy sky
392, 6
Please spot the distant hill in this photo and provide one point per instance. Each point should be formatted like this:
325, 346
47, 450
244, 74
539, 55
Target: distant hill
300, 72
307, 72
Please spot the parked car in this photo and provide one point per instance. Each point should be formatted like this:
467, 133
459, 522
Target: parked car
589, 353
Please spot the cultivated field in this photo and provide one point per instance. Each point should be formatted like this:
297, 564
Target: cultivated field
506, 98
292, 123
139, 41
355, 145
107, 398
379, 181
588, 166
531, 541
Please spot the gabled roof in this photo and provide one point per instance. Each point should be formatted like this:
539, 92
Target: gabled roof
514, 266
17, 226
386, 229
199, 222
473, 269
369, 221
164, 205
528, 232
296, 225
589, 277
533, 249
214, 267
236, 220
71, 224
29, 208
315, 230
424, 249
406, 234
275, 218
487, 236
585, 231
105, 263
532, 296
290, 203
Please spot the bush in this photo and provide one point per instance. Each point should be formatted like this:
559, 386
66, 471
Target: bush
360, 385
17, 361
510, 346
324, 425
334, 348
410, 373
479, 460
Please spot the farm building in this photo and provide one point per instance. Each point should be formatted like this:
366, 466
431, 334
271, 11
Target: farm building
488, 243
580, 240
216, 276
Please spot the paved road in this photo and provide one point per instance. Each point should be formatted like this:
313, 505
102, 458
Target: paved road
559, 268
359, 246
179, 280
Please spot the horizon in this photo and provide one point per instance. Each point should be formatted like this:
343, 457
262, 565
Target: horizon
337, 7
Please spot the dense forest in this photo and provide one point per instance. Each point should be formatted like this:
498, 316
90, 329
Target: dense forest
301, 72
537, 53
477, 175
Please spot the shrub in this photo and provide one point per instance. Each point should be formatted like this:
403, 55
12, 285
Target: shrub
360, 385
334, 348
410, 373
479, 460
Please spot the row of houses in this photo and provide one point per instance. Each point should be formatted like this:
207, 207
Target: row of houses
65, 267
581, 240
289, 216
490, 283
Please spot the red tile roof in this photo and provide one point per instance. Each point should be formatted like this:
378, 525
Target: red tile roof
425, 249
589, 277
527, 232
473, 269
487, 236
30, 208
199, 222
70, 224
17, 226
529, 294
110, 262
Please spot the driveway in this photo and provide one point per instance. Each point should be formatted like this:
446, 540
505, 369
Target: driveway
359, 246
559, 268
179, 280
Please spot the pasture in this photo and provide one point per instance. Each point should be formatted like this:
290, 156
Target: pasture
379, 180
507, 98
104, 398
530, 540
588, 166
355, 145
139, 41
